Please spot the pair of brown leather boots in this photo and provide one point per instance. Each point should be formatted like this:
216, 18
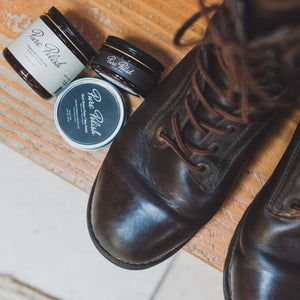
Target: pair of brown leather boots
170, 168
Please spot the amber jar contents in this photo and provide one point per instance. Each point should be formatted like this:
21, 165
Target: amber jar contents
49, 54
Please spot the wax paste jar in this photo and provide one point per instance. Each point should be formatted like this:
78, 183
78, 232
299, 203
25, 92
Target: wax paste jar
89, 113
127, 66
49, 54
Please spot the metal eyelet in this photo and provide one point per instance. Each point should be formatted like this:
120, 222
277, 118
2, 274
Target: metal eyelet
161, 130
215, 147
189, 93
295, 205
176, 115
203, 167
231, 129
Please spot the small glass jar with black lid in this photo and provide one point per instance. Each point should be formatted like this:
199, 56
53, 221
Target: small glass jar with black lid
127, 66
49, 54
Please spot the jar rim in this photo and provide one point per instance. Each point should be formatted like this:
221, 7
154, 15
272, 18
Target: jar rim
70, 32
119, 99
135, 52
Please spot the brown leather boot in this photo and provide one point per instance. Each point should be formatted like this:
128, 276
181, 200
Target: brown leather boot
169, 170
263, 260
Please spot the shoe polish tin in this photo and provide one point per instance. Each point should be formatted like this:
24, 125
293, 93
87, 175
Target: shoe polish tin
127, 66
89, 113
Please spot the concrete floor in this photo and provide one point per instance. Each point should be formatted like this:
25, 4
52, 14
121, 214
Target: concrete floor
45, 244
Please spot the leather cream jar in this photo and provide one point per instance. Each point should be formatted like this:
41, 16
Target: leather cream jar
89, 113
127, 66
49, 54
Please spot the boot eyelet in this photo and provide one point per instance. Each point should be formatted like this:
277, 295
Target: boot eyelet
231, 129
176, 115
159, 132
215, 147
203, 167
189, 94
295, 205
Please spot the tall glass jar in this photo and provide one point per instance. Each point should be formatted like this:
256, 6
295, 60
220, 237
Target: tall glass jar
49, 54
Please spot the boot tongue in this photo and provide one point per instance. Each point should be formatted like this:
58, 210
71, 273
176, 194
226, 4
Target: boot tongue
270, 23
264, 17
257, 22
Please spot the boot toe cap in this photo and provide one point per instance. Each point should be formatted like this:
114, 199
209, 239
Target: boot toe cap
129, 223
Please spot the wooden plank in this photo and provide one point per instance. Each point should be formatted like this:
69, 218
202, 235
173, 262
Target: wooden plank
26, 121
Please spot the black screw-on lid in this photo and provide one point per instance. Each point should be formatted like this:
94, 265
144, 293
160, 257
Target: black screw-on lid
127, 66
136, 52
68, 29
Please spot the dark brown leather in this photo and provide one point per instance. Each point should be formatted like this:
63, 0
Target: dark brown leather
146, 203
263, 261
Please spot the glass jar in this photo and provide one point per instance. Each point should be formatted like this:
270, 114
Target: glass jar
49, 54
127, 66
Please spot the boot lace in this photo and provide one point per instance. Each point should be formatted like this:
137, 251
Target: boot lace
246, 66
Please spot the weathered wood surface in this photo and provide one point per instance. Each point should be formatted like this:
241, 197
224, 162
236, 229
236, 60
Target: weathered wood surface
26, 122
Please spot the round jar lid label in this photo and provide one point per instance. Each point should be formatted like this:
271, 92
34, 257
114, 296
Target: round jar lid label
89, 113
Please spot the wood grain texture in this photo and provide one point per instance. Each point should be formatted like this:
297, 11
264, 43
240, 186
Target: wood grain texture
26, 121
